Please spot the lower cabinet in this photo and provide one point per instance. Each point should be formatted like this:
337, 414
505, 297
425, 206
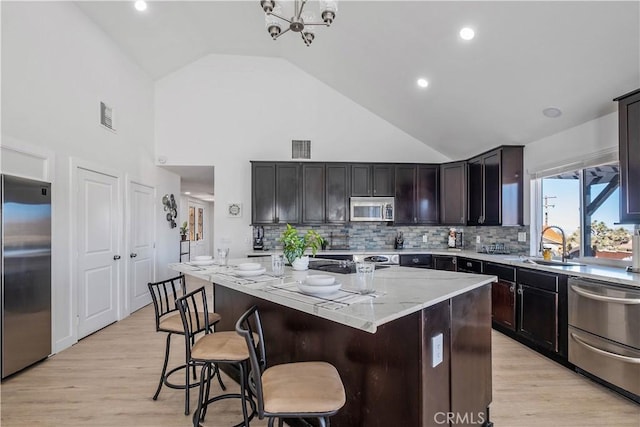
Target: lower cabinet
444, 262
503, 295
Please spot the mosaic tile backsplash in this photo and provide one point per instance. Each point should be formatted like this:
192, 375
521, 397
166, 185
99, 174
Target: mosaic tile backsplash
380, 236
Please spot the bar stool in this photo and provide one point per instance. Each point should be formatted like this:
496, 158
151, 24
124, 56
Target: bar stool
163, 295
210, 350
289, 390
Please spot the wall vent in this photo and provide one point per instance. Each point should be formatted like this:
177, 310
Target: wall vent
107, 118
300, 149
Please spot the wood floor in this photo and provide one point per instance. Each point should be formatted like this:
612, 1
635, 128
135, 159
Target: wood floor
108, 378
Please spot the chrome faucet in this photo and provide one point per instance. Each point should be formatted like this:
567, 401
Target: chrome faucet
564, 240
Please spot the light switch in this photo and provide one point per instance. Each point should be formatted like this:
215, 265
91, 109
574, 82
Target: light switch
425, 239
436, 350
522, 236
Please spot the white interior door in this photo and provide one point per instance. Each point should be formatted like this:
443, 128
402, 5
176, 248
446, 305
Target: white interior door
141, 244
98, 258
198, 231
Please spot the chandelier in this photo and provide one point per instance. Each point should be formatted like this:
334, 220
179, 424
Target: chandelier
301, 22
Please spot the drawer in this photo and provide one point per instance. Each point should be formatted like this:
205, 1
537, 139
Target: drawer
416, 260
469, 265
504, 272
538, 279
608, 360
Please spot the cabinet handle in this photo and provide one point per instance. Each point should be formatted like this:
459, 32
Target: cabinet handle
519, 291
627, 359
512, 288
116, 257
133, 255
597, 297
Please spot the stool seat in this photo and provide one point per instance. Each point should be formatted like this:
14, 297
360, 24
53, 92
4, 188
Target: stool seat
173, 322
225, 346
309, 387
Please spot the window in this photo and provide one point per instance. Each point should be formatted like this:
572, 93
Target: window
585, 204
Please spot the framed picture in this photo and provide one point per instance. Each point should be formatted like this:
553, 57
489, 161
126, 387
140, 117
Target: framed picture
234, 210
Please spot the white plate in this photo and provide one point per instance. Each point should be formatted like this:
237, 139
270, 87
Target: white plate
246, 266
250, 273
203, 258
319, 280
319, 290
205, 262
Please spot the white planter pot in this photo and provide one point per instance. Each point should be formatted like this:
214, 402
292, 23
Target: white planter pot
301, 263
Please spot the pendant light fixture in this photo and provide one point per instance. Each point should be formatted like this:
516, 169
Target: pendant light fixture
302, 21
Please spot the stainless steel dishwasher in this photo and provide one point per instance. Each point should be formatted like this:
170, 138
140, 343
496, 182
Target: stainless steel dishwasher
604, 332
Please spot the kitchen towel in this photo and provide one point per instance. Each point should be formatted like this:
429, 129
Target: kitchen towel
635, 245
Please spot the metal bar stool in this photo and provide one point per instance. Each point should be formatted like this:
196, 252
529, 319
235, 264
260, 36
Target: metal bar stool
163, 295
210, 350
289, 390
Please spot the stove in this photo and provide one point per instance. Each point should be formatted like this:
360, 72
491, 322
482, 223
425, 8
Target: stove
342, 267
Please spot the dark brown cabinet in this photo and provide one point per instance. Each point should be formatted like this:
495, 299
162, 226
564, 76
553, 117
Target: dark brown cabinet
313, 193
629, 150
416, 194
453, 193
372, 180
444, 262
503, 295
495, 187
275, 193
337, 192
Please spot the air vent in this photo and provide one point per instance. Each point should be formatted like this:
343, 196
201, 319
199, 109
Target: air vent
107, 116
300, 149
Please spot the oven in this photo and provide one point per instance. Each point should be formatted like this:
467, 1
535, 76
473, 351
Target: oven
604, 332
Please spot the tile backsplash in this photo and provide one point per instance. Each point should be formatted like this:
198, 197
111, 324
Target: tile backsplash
380, 236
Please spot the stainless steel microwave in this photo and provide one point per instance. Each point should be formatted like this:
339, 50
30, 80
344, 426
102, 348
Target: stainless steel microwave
371, 208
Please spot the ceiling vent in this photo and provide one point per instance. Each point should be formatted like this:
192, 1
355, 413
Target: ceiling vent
300, 149
107, 117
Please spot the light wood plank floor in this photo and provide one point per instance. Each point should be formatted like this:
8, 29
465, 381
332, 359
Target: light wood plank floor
108, 378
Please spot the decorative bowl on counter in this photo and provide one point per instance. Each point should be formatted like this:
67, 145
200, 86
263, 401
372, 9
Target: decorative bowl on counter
249, 266
250, 273
319, 290
319, 280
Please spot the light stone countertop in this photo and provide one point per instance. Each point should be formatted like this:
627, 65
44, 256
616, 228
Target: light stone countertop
399, 291
597, 272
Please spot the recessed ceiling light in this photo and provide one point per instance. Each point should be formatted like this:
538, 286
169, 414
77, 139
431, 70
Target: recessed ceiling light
467, 33
552, 112
140, 5
423, 83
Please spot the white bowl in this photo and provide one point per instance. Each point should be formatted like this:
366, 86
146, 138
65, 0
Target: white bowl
203, 262
202, 258
319, 290
250, 273
319, 280
246, 266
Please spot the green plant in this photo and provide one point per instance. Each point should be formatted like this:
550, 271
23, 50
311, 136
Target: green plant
184, 228
295, 244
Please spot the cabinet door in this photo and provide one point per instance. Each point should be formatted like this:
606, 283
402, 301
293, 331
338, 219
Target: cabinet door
538, 316
629, 146
444, 262
427, 211
492, 189
263, 193
476, 192
383, 180
453, 193
360, 180
503, 304
405, 194
337, 193
287, 193
313, 193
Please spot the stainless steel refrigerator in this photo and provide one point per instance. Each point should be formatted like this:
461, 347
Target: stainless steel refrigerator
26, 272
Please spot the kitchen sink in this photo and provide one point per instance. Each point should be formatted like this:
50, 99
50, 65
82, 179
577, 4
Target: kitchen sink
551, 262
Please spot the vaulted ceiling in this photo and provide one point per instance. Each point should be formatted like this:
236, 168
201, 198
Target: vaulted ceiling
526, 56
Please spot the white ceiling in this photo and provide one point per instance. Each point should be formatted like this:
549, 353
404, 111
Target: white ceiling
526, 56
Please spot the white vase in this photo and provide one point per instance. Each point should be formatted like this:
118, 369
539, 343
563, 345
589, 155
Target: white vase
301, 263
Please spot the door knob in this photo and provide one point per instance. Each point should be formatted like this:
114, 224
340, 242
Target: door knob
133, 254
116, 257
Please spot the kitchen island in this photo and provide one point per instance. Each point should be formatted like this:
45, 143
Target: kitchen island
416, 353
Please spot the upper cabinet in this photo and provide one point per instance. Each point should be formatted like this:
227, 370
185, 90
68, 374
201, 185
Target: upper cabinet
453, 193
275, 191
416, 194
313, 193
372, 180
629, 149
495, 187
337, 192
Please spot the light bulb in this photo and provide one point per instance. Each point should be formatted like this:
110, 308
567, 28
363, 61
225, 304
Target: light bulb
467, 33
140, 5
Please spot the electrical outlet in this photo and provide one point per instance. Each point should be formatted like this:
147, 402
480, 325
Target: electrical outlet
425, 239
436, 350
522, 236
477, 239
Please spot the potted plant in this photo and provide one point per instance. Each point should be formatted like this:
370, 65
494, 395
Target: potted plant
183, 230
295, 245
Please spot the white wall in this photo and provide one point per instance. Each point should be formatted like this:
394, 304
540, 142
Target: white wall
227, 110
56, 68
